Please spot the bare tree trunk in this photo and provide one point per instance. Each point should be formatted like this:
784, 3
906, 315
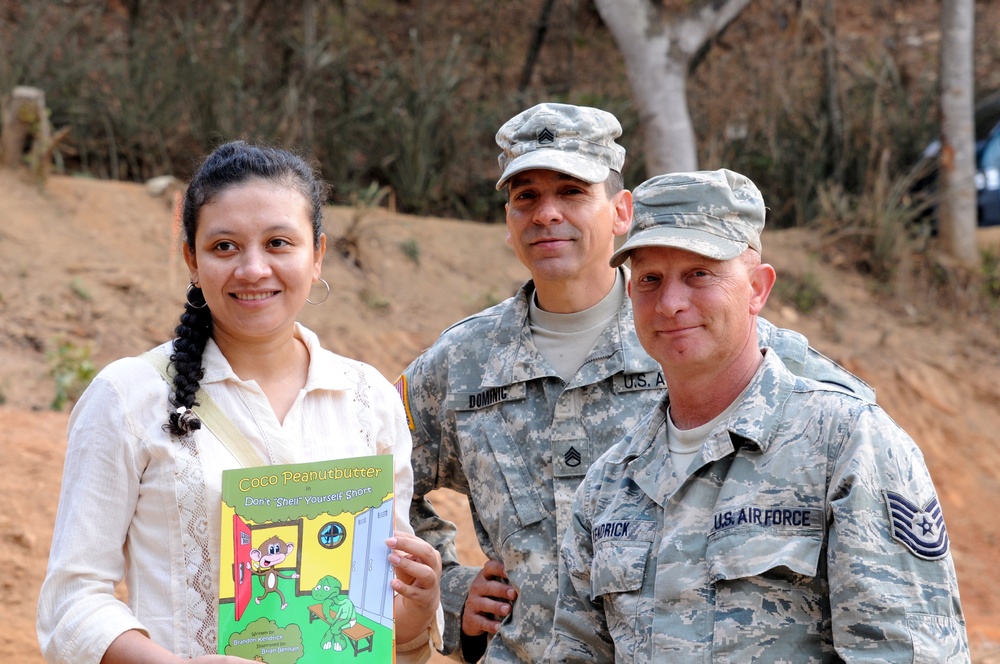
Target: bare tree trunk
541, 27
658, 49
958, 150
833, 110
657, 74
309, 74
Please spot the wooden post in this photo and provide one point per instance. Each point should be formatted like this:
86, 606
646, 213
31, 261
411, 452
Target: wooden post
24, 116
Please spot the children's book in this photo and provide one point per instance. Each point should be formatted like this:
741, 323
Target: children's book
305, 571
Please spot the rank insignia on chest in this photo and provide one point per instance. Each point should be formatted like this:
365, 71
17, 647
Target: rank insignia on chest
919, 529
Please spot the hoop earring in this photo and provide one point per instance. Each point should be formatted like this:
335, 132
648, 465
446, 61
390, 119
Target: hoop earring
325, 296
187, 297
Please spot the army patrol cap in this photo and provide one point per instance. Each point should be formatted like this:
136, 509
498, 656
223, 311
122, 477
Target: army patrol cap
575, 140
717, 214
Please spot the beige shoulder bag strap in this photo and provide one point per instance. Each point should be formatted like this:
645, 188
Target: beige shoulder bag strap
213, 417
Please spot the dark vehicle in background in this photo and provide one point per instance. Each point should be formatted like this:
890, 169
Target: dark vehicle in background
988, 178
987, 120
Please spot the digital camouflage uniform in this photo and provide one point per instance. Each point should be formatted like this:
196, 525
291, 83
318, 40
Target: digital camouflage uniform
808, 530
491, 419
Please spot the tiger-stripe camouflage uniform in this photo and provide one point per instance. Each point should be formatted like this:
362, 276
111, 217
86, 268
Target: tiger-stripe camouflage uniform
806, 530
492, 420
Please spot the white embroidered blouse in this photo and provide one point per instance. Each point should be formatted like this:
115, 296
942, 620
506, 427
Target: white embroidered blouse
139, 505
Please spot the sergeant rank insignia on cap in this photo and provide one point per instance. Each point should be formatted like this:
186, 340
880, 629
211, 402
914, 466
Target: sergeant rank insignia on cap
919, 529
546, 135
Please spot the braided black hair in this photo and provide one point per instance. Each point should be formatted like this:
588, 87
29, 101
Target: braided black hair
229, 165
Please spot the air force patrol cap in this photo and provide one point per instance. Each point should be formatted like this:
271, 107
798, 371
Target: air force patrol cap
575, 140
717, 214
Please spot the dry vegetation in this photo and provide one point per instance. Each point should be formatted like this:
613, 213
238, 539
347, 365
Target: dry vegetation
409, 93
396, 109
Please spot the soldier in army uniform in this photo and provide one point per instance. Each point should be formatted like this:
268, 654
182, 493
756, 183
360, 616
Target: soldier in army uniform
752, 515
512, 405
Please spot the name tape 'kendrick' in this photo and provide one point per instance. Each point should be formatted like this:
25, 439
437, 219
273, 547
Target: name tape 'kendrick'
638, 530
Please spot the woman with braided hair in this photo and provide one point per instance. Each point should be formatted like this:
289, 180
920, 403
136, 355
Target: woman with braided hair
140, 498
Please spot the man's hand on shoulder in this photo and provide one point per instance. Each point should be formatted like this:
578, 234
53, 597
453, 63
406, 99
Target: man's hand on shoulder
489, 601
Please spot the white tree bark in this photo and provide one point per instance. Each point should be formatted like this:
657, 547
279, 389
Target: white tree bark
657, 48
957, 206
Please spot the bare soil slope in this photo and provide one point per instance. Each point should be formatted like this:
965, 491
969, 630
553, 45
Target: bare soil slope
90, 265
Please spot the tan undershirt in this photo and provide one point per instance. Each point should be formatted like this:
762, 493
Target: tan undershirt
684, 444
565, 340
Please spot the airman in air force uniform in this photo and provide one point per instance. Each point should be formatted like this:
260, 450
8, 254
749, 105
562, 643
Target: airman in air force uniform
752, 514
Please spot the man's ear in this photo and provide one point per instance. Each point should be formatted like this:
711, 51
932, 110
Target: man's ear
761, 282
623, 212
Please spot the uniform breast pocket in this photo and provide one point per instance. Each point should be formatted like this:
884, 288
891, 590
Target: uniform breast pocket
504, 490
770, 588
617, 575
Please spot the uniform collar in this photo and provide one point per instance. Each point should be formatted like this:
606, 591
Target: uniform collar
755, 420
515, 359
752, 425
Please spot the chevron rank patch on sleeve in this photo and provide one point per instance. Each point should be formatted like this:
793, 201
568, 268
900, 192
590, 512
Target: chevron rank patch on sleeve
919, 529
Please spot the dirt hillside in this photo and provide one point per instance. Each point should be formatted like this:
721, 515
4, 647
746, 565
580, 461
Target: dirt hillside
88, 267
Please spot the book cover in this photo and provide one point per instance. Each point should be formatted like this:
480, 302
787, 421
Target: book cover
304, 574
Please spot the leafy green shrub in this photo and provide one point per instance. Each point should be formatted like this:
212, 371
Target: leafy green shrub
414, 119
991, 278
411, 248
815, 124
348, 244
72, 369
876, 229
803, 292
80, 289
374, 300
